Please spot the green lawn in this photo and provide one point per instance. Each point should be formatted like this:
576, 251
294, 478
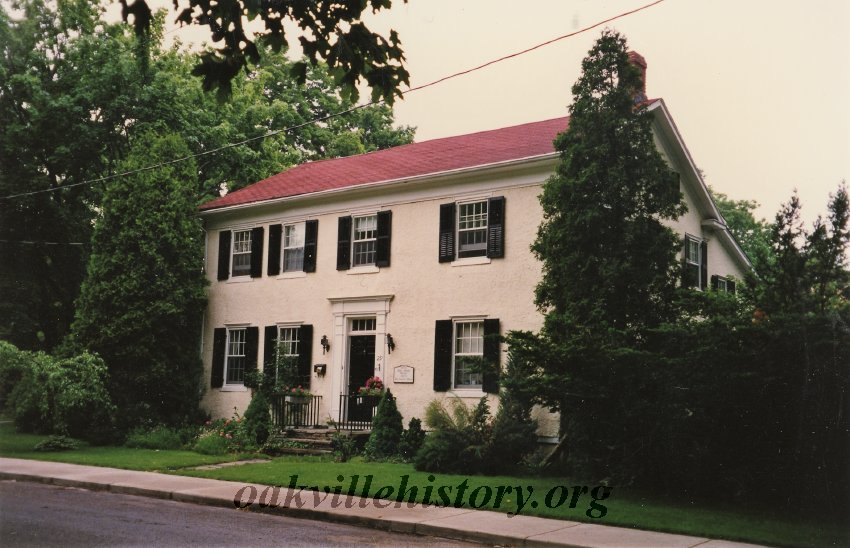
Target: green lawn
20, 446
624, 507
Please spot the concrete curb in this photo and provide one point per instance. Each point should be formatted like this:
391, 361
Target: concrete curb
486, 527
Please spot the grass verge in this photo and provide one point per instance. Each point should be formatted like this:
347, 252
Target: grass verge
20, 446
624, 507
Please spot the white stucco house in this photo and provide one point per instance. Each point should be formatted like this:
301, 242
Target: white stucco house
398, 262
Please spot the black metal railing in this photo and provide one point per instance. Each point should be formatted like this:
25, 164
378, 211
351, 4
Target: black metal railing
356, 412
296, 411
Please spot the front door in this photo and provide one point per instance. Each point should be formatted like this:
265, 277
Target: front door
361, 366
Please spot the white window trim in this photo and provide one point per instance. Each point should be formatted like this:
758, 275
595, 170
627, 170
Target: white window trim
292, 275
363, 269
353, 241
471, 261
233, 386
233, 252
466, 391
698, 263
458, 205
725, 281
283, 248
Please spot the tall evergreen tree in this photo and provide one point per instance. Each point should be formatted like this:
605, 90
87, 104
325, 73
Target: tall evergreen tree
606, 200
141, 303
609, 264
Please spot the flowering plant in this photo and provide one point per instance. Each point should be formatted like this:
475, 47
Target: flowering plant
374, 387
230, 433
297, 391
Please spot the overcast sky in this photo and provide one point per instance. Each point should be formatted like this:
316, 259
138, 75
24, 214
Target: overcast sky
759, 89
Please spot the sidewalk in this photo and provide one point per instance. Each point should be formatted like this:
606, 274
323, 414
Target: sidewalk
455, 523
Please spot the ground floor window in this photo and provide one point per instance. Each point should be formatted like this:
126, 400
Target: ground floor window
468, 352
236, 356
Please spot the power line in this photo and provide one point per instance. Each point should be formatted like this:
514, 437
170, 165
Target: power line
333, 115
28, 242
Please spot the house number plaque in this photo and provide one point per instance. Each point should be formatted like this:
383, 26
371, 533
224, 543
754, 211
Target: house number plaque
403, 374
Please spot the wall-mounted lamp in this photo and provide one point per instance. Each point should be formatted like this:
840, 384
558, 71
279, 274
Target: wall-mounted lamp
390, 343
320, 369
325, 344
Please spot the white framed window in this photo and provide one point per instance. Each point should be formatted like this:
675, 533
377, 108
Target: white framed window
241, 253
362, 325
364, 233
722, 284
288, 339
235, 358
694, 267
472, 229
468, 348
293, 247
694, 255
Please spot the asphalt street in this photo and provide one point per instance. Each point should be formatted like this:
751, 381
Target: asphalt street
33, 514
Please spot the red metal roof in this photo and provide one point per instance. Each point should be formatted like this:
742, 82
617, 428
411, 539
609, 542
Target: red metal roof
415, 159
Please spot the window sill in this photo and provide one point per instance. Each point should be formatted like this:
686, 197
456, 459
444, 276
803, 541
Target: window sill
368, 269
292, 275
477, 393
233, 388
469, 261
239, 279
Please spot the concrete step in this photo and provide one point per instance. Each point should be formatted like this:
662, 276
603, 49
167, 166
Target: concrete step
311, 441
304, 451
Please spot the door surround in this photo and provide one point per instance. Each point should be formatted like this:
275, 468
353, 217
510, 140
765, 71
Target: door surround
343, 309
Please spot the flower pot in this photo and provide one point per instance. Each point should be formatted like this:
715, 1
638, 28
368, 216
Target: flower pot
298, 399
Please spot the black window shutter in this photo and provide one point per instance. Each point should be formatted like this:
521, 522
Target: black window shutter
219, 343
443, 333
343, 245
730, 286
714, 280
275, 235
311, 239
305, 353
252, 344
490, 383
383, 239
703, 249
223, 254
257, 252
447, 232
496, 227
269, 347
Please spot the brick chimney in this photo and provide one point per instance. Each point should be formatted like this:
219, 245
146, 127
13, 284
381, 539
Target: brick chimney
637, 60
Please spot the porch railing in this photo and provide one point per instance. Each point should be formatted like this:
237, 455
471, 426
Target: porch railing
296, 411
356, 412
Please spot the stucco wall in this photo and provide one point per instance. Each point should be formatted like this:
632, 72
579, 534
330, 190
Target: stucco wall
423, 290
416, 290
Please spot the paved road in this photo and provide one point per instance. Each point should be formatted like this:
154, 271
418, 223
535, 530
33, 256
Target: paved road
46, 515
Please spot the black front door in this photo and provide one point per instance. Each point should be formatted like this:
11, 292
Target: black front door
361, 366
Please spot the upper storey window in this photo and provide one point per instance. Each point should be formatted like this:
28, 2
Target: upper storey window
472, 229
364, 240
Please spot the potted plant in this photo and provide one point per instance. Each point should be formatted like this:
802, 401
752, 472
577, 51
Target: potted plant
373, 387
297, 394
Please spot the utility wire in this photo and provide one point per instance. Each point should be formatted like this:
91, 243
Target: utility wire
333, 115
28, 242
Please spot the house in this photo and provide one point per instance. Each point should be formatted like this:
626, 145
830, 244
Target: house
398, 263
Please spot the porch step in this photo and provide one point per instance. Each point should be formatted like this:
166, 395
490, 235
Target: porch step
311, 441
304, 451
